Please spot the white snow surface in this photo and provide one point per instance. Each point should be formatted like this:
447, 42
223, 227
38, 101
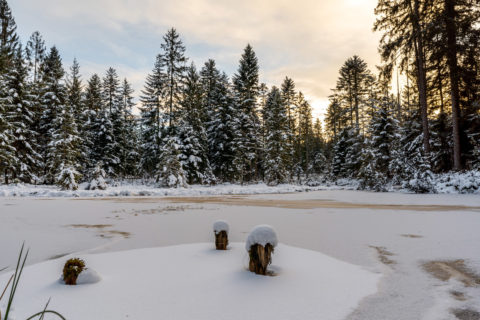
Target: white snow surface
88, 276
220, 225
197, 282
138, 189
262, 234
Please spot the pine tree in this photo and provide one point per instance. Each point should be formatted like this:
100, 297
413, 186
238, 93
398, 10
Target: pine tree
62, 148
152, 99
377, 153
169, 169
174, 60
52, 103
221, 128
289, 97
127, 137
21, 117
35, 54
246, 141
7, 151
8, 37
76, 104
276, 139
111, 96
93, 108
193, 147
304, 136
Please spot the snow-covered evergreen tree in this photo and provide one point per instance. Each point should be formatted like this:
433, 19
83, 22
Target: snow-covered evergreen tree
7, 151
221, 115
174, 61
111, 95
127, 137
75, 101
275, 117
247, 125
289, 96
8, 37
193, 147
58, 123
151, 119
90, 127
21, 117
169, 169
377, 152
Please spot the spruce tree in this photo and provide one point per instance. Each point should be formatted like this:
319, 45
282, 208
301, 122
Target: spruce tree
221, 130
276, 139
169, 169
247, 127
127, 137
174, 60
21, 117
52, 103
377, 153
8, 37
111, 101
193, 147
151, 119
93, 108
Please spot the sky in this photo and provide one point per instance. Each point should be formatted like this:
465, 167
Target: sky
306, 40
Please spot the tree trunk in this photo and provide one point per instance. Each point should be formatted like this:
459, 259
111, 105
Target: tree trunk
452, 65
421, 75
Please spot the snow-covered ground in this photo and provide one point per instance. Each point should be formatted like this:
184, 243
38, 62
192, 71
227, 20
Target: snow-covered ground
388, 234
197, 282
138, 189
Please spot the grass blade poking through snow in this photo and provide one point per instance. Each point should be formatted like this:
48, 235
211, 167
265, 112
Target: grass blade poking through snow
16, 279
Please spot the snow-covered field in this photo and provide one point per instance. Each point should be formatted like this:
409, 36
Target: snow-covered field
365, 256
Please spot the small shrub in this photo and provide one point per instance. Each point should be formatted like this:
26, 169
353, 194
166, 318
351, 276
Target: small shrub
73, 267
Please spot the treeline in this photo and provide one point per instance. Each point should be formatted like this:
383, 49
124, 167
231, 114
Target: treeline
432, 122
198, 126
195, 126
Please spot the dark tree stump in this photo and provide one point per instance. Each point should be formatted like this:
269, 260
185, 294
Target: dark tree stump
71, 270
260, 258
221, 240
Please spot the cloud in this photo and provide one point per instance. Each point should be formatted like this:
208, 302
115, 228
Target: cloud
307, 40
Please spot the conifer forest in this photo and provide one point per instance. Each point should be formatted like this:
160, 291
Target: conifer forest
198, 125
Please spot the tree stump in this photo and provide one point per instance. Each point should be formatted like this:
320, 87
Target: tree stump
221, 240
71, 270
260, 258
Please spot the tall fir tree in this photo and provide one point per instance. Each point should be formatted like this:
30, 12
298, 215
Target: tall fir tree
277, 149
193, 147
21, 116
127, 136
174, 61
111, 100
151, 119
247, 127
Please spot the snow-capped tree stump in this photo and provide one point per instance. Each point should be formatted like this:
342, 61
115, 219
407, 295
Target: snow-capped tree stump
260, 245
220, 229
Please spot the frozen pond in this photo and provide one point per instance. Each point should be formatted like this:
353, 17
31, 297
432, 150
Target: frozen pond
425, 246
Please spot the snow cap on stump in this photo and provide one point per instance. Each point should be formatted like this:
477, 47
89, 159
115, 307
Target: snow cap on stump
262, 235
220, 225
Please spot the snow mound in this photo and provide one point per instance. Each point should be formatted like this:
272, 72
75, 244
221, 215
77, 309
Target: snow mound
262, 235
88, 276
220, 225
195, 282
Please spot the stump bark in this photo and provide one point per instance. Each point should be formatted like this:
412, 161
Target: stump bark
260, 258
221, 240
